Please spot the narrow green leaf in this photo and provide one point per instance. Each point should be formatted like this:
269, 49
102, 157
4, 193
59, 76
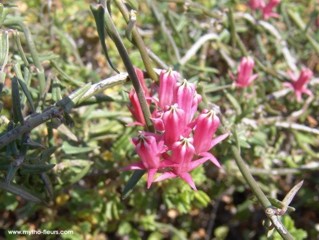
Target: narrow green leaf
291, 194
80, 173
64, 75
69, 149
35, 168
46, 154
56, 90
16, 36
98, 13
18, 190
34, 144
16, 104
11, 173
48, 184
76, 97
27, 94
136, 176
4, 49
234, 102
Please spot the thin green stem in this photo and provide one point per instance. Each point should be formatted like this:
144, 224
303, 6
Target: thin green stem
270, 213
129, 67
161, 20
138, 41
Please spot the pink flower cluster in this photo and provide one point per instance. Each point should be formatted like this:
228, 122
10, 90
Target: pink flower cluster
266, 9
182, 139
299, 84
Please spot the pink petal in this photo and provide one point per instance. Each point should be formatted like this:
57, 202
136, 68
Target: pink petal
208, 156
166, 175
252, 78
194, 164
218, 139
150, 176
308, 92
188, 179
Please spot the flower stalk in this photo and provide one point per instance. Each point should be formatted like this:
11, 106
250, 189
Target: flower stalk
260, 196
138, 41
111, 30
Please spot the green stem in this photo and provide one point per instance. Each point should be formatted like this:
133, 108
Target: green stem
138, 42
232, 27
260, 196
129, 67
303, 27
33, 51
234, 35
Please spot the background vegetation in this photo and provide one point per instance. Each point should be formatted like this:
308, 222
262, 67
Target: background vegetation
65, 173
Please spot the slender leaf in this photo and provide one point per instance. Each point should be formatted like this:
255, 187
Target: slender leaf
16, 103
27, 94
35, 168
98, 13
18, 190
136, 176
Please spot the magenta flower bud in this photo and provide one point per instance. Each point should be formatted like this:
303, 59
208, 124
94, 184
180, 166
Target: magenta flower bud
185, 94
174, 124
267, 11
135, 109
157, 120
196, 101
167, 84
140, 76
256, 4
244, 72
149, 150
299, 85
205, 128
182, 154
183, 151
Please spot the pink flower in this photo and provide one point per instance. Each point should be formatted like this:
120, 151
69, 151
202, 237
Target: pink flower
168, 80
149, 150
185, 94
256, 4
244, 72
182, 154
183, 151
174, 124
205, 128
299, 85
267, 11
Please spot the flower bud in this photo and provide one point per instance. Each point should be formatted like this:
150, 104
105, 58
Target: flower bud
174, 124
245, 70
205, 128
167, 85
185, 94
